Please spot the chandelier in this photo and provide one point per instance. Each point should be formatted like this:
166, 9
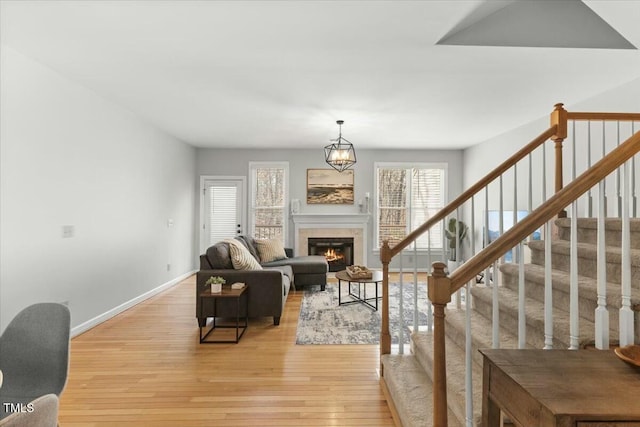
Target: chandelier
340, 155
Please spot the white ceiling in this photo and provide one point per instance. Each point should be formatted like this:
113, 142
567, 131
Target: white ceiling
280, 73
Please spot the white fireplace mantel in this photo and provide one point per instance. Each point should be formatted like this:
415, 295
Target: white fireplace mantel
340, 225
330, 218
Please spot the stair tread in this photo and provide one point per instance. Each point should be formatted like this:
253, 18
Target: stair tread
561, 281
508, 300
586, 250
411, 390
592, 223
482, 331
422, 347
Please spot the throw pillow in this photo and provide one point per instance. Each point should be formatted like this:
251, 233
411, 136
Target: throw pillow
270, 250
250, 243
241, 258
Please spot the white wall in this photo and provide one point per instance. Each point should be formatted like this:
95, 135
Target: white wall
236, 162
69, 157
482, 158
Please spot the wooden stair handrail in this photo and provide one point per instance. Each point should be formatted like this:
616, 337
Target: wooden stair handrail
545, 212
386, 255
621, 117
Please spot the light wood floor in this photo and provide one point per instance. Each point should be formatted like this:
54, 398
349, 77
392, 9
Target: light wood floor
145, 367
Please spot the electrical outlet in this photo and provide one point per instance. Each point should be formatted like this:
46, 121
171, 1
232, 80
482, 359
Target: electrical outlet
168, 267
68, 231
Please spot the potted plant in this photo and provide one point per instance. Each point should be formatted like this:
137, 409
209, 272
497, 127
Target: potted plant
459, 229
216, 283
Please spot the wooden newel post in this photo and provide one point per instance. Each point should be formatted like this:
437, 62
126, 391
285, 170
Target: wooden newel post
385, 336
559, 119
440, 296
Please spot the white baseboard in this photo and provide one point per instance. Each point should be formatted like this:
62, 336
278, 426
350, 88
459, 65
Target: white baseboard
84, 327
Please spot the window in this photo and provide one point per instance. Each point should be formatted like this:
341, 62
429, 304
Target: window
269, 194
406, 197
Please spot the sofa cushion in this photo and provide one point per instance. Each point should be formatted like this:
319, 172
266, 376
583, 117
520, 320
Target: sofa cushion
250, 243
219, 256
241, 258
287, 275
270, 250
311, 264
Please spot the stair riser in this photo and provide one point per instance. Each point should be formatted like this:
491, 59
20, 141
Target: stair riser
509, 322
587, 266
590, 235
586, 303
535, 327
459, 339
455, 397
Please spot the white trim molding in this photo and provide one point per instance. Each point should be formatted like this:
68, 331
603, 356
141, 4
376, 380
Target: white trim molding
91, 323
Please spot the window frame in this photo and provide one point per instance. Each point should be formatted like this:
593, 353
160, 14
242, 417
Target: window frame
253, 167
444, 166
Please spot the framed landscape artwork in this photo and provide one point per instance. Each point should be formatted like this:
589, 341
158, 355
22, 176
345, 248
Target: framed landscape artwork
328, 186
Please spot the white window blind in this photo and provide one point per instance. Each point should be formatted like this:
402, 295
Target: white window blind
406, 198
223, 212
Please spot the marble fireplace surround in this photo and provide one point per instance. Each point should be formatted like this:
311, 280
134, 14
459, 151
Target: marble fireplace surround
332, 225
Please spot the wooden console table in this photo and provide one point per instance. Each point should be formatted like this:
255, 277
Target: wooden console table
584, 388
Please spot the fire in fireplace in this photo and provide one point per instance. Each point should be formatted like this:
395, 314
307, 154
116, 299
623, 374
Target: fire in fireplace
337, 250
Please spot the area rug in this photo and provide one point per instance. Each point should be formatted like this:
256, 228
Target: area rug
323, 321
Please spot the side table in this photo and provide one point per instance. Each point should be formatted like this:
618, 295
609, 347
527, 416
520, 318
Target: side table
226, 294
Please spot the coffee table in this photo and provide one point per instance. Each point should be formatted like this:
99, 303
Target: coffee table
361, 295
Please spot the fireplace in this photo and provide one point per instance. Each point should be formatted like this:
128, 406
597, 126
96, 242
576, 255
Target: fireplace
337, 250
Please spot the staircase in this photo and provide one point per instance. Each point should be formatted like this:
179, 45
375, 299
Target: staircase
408, 378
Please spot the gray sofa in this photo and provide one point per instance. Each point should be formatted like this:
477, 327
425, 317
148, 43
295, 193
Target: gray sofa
267, 288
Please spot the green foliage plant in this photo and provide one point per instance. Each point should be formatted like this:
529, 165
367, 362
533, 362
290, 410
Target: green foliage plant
455, 228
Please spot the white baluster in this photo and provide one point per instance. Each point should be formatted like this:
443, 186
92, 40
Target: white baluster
468, 361
530, 198
517, 256
626, 314
515, 205
401, 303
633, 178
416, 320
548, 289
548, 286
618, 177
487, 271
468, 297
468, 332
429, 305
604, 182
574, 315
495, 314
601, 314
589, 193
522, 315
458, 257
